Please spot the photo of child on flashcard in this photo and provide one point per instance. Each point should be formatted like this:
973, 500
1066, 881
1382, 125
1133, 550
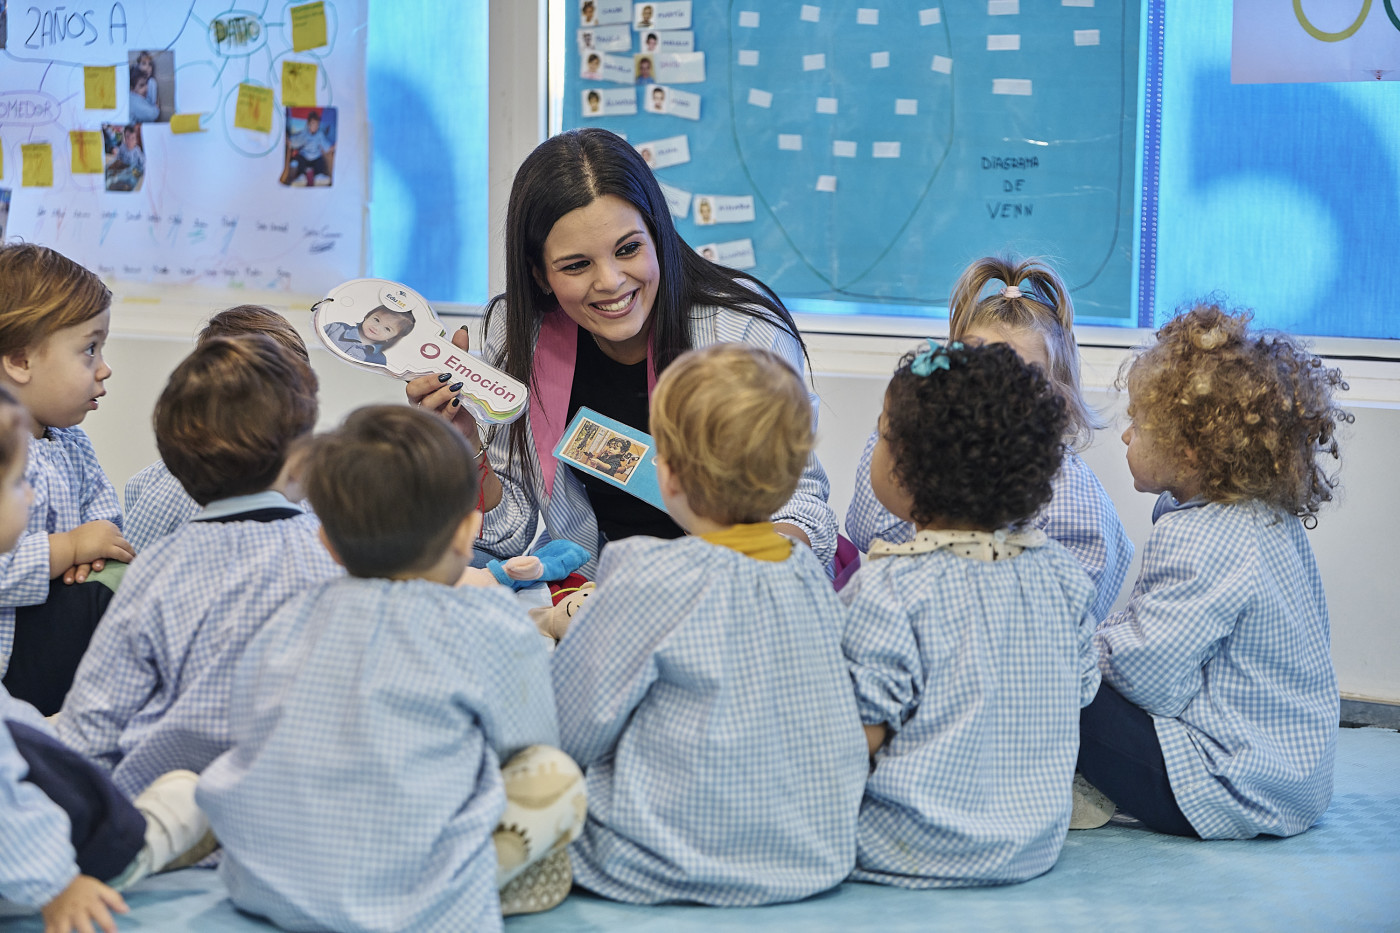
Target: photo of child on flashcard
389, 328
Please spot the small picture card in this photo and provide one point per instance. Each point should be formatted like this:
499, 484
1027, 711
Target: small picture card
124, 157
664, 153
668, 100
677, 67
723, 209
736, 254
389, 328
665, 14
668, 40
308, 159
614, 452
677, 200
604, 12
615, 68
605, 39
4, 211
609, 101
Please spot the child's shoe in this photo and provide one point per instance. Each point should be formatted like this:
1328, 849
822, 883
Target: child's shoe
177, 831
1091, 808
545, 809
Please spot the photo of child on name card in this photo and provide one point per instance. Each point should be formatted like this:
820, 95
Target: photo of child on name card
607, 13
662, 15
126, 157
723, 209
704, 211
644, 69
151, 74
592, 67
599, 450
663, 153
670, 40
609, 102
605, 39
309, 154
668, 100
656, 100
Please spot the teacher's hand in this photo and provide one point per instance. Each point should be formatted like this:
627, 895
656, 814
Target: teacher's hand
439, 394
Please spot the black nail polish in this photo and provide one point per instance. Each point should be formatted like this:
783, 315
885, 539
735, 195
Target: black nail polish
443, 377
456, 387
456, 402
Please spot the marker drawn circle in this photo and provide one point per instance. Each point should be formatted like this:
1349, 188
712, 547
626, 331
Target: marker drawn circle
1321, 36
1390, 11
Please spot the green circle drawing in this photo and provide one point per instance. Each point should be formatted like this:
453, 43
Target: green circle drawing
1321, 36
1390, 11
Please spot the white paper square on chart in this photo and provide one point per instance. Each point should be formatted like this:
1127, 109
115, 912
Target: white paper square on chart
879, 59
748, 56
930, 17
867, 17
748, 19
760, 98
884, 150
843, 149
1086, 37
814, 62
826, 182
1004, 43
1020, 87
811, 14
906, 107
1003, 7
942, 64
826, 105
1082, 3
790, 141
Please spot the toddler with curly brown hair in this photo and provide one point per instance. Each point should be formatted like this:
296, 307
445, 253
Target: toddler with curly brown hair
971, 645
1218, 712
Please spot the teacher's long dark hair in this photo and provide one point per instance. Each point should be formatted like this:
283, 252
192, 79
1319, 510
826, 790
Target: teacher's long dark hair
570, 171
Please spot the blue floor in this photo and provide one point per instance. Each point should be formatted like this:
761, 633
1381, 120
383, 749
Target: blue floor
1343, 874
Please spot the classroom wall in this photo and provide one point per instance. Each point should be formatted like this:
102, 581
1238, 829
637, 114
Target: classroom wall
153, 330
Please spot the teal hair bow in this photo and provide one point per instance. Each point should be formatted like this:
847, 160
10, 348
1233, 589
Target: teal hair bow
934, 356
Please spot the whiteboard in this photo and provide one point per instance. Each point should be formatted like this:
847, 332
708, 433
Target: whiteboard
882, 145
220, 206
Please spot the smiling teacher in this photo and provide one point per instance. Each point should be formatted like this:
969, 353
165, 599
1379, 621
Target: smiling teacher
602, 295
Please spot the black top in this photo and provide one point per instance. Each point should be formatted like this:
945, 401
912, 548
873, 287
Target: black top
620, 392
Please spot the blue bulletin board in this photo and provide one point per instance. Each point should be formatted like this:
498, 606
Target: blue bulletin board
863, 152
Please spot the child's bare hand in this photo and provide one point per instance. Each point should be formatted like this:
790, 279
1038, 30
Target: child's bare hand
73, 554
86, 905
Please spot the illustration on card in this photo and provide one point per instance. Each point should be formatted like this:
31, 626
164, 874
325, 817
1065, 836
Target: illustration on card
389, 328
603, 452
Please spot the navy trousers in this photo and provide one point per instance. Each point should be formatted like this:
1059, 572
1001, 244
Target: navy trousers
50, 639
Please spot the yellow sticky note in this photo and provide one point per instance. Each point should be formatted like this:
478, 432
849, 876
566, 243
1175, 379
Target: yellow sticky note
254, 111
185, 123
99, 87
298, 84
308, 26
38, 165
87, 152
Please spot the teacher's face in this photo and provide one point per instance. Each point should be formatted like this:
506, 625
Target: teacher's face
600, 263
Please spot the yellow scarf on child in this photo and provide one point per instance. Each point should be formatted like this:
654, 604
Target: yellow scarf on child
759, 540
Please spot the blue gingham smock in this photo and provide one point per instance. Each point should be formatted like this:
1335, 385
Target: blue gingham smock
1225, 642
705, 695
70, 489
156, 504
152, 692
370, 719
979, 670
36, 857
510, 527
1079, 515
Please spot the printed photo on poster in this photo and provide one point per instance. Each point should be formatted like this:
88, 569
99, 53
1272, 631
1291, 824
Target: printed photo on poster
125, 167
592, 67
4, 210
644, 69
661, 99
604, 12
601, 451
671, 40
662, 15
151, 74
605, 39
309, 159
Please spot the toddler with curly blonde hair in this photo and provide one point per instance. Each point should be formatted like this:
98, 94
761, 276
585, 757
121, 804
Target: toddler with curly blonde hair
1218, 711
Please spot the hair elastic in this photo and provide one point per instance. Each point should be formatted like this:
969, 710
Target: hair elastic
933, 356
1011, 291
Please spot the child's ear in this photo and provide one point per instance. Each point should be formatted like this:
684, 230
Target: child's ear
16, 367
330, 548
465, 536
670, 486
